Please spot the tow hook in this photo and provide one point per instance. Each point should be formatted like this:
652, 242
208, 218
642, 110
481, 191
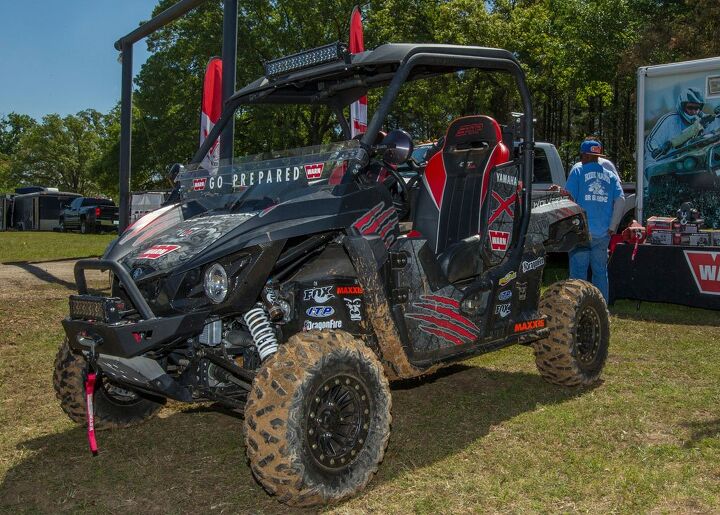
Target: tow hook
90, 382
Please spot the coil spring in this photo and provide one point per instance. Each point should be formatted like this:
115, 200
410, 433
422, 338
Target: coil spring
261, 331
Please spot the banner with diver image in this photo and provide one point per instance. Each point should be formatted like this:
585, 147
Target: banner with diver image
679, 139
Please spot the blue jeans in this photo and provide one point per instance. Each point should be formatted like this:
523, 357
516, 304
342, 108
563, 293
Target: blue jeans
596, 257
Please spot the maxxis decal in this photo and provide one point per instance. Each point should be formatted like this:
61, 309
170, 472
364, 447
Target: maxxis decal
439, 316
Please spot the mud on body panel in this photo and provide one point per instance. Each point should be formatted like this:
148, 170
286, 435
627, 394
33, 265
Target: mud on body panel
429, 314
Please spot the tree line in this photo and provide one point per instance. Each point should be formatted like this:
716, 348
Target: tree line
580, 58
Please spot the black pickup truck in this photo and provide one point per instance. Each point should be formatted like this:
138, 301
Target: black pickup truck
88, 214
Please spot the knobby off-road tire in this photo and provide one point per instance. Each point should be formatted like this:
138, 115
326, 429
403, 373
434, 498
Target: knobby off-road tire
114, 407
318, 383
576, 350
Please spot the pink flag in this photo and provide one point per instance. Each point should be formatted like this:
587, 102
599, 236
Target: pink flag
358, 109
211, 108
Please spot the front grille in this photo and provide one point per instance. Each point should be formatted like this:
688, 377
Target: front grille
91, 307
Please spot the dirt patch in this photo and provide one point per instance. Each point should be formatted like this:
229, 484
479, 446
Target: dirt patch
21, 277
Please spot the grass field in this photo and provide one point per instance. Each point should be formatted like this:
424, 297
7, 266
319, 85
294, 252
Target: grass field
488, 435
48, 246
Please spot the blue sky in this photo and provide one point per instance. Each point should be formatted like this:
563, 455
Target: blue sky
57, 56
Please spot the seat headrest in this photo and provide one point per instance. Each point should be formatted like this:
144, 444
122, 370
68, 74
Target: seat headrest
467, 131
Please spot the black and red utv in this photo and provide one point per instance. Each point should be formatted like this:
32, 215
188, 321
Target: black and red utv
281, 284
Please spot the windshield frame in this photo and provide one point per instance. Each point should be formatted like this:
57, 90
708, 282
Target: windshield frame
413, 62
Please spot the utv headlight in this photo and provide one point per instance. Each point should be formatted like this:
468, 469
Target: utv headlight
216, 283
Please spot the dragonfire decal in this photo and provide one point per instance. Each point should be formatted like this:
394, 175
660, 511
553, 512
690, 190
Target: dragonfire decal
499, 240
319, 326
705, 268
439, 317
378, 222
158, 251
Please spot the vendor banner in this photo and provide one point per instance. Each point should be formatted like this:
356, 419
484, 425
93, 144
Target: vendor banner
679, 138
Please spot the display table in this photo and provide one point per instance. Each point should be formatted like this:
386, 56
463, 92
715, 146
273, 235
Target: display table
666, 273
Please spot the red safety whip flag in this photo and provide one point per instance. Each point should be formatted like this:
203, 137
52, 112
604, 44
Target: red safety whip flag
211, 108
358, 109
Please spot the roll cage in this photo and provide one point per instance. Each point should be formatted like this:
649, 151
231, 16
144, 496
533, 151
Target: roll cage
341, 82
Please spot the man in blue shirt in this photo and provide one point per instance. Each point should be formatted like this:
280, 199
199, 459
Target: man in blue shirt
599, 192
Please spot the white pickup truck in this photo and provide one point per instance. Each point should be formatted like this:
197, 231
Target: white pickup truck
549, 170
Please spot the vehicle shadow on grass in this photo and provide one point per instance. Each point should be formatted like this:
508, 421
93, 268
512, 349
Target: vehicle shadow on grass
195, 459
702, 430
41, 274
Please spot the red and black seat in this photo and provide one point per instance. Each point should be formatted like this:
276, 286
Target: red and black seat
455, 183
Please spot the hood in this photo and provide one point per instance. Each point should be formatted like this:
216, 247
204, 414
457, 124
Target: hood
171, 236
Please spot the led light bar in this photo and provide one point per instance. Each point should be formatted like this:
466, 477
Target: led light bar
92, 307
305, 59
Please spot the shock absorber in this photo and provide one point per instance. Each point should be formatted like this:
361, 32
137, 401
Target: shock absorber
262, 331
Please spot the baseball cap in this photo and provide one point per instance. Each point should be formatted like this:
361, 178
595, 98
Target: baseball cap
592, 147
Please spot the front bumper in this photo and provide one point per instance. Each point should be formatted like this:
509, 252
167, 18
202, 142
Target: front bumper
127, 338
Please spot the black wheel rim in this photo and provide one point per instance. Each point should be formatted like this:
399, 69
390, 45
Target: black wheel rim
589, 335
338, 421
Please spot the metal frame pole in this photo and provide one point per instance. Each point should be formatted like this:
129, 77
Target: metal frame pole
125, 45
229, 58
125, 136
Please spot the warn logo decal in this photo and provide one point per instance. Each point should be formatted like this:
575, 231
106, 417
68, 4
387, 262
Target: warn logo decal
158, 251
705, 268
199, 184
314, 171
499, 240
439, 317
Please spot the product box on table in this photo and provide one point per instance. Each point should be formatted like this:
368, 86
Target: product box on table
660, 237
702, 239
713, 236
689, 227
660, 223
